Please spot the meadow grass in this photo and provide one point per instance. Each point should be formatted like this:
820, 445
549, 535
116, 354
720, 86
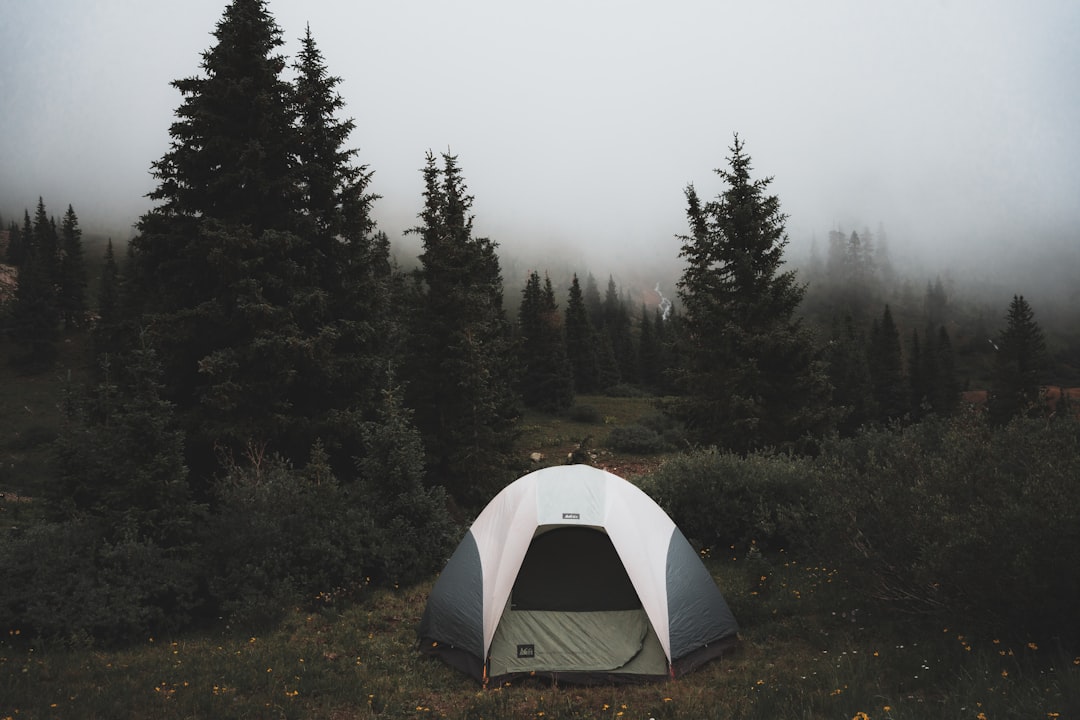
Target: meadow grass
807, 651
556, 435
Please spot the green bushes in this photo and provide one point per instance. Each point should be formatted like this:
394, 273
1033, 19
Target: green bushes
945, 519
278, 538
66, 581
725, 499
958, 517
636, 439
585, 413
652, 433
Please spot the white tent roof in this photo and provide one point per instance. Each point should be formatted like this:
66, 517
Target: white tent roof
574, 495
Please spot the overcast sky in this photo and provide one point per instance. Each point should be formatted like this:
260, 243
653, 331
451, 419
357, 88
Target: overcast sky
578, 124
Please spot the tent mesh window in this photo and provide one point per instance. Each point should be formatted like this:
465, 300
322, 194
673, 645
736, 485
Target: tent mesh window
573, 569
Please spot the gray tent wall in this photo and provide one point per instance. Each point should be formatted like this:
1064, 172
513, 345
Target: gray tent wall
687, 618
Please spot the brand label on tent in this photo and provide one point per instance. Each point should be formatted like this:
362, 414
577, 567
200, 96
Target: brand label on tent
571, 516
526, 651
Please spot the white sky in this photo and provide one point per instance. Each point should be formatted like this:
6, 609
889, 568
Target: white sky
578, 124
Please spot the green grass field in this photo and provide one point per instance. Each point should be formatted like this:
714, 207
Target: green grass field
807, 651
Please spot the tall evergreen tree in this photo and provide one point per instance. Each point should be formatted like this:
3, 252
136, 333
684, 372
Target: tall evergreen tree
885, 355
215, 266
35, 311
665, 335
259, 273
580, 341
461, 372
922, 368
650, 362
850, 376
121, 459
547, 380
108, 331
750, 377
1020, 363
16, 249
109, 290
347, 261
594, 305
617, 327
945, 389
46, 246
72, 271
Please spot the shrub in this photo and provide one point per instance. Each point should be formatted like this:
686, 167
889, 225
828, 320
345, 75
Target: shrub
33, 437
280, 537
623, 390
65, 581
671, 430
585, 414
954, 517
724, 499
635, 439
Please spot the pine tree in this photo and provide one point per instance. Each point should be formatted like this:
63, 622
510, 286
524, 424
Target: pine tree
46, 246
885, 356
1020, 363
936, 302
922, 367
109, 290
108, 333
945, 389
16, 249
749, 377
35, 314
617, 327
121, 458
580, 344
850, 377
72, 271
259, 272
335, 200
461, 372
547, 380
350, 275
650, 363
231, 156
215, 266
594, 305
665, 334
417, 533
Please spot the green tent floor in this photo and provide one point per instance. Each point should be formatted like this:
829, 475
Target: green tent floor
618, 641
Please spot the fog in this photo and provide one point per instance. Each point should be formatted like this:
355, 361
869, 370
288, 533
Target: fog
952, 125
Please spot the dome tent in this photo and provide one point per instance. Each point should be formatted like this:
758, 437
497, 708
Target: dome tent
575, 573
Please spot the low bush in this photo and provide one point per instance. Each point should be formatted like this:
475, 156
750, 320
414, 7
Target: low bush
585, 414
66, 581
958, 517
33, 437
636, 439
623, 390
725, 499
